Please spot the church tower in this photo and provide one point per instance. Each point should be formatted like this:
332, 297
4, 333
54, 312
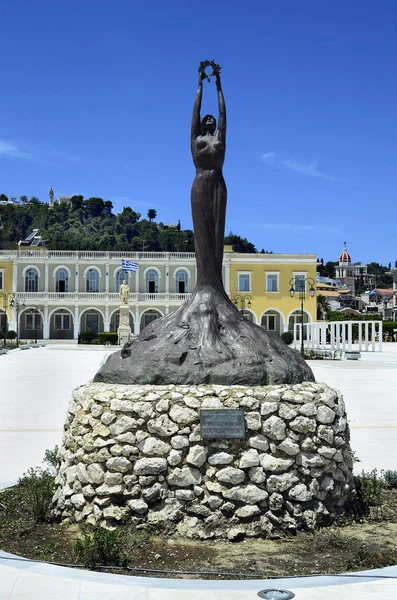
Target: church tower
51, 198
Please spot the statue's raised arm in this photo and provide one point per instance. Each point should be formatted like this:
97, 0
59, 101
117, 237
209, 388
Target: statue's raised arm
222, 110
196, 121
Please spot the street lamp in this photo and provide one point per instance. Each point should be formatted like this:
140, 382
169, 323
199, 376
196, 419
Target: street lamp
242, 298
298, 284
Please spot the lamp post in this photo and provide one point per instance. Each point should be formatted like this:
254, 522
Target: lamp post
242, 298
298, 284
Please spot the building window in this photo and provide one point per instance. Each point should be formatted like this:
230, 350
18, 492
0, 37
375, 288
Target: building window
148, 317
1, 279
62, 321
299, 283
244, 282
152, 282
92, 322
62, 281
272, 282
92, 281
120, 277
31, 280
32, 321
269, 322
181, 282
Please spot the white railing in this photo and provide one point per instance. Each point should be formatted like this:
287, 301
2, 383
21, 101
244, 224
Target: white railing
98, 255
98, 297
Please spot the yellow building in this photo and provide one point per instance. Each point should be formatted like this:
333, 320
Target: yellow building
260, 286
6, 276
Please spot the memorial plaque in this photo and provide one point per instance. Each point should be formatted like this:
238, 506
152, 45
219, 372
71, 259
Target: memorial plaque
222, 423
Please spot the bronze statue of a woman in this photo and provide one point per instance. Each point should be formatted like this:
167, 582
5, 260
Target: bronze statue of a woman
209, 193
206, 340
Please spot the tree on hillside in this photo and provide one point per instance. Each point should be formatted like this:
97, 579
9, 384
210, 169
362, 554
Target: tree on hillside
34, 200
239, 244
328, 270
3, 198
151, 214
95, 206
77, 202
23, 199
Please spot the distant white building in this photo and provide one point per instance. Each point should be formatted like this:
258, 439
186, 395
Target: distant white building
59, 200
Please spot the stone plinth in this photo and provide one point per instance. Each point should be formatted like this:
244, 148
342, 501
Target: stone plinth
134, 453
124, 329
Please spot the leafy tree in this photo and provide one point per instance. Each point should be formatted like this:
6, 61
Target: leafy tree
34, 200
95, 206
77, 202
327, 270
23, 199
239, 244
323, 307
151, 214
108, 207
3, 198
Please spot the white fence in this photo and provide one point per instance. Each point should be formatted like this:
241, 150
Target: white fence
339, 335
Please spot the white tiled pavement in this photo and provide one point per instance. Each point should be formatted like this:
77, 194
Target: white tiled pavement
35, 387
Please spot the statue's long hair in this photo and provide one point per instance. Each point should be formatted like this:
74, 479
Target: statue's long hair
204, 122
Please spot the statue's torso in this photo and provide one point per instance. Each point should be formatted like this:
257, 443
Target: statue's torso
208, 152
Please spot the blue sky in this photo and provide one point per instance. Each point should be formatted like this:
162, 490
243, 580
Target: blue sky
97, 97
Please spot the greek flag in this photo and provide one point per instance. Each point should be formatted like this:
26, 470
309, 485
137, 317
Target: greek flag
127, 265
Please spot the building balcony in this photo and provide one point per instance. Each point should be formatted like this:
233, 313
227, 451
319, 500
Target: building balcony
99, 297
87, 255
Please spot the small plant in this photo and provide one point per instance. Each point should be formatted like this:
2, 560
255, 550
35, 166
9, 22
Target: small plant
52, 459
390, 478
37, 489
101, 547
369, 489
11, 334
287, 337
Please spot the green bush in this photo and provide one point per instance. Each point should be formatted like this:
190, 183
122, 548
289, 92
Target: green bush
369, 492
52, 458
108, 336
390, 478
11, 334
101, 548
287, 337
37, 489
86, 337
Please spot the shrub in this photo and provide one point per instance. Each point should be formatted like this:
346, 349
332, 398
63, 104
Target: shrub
101, 548
37, 489
287, 337
11, 334
390, 478
86, 337
108, 336
369, 492
51, 457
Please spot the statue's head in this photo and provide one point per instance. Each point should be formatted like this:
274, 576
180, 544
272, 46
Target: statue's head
124, 281
208, 124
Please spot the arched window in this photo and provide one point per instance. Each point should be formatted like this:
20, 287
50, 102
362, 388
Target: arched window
181, 282
62, 281
152, 282
31, 280
92, 281
120, 277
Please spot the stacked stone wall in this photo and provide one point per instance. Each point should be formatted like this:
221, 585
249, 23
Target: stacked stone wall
134, 453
